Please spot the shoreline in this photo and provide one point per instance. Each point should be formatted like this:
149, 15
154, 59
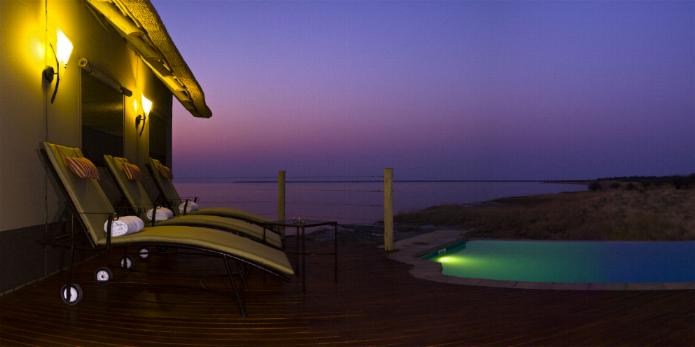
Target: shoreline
628, 214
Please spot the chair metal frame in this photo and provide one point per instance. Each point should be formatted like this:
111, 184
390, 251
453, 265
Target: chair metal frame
237, 278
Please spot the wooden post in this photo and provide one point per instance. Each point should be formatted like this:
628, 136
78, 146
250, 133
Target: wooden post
388, 210
281, 195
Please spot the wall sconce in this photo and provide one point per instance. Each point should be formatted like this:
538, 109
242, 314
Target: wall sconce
62, 55
146, 108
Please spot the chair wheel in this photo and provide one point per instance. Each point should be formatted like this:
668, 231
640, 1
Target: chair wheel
103, 275
71, 293
144, 253
127, 262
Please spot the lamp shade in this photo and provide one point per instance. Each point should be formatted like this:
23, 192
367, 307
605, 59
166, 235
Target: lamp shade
146, 105
64, 48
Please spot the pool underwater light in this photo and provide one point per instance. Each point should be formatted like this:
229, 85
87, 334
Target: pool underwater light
448, 259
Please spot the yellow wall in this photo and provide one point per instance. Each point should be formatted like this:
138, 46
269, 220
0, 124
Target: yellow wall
28, 196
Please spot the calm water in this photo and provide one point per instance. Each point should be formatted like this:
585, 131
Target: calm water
571, 261
356, 202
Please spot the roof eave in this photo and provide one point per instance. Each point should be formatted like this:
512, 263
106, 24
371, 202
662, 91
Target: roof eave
138, 22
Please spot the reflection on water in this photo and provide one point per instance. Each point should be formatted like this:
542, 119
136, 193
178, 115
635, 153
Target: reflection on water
356, 202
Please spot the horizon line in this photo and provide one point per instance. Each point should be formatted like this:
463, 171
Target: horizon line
273, 180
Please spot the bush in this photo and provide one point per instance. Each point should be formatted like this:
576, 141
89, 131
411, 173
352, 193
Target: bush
594, 186
680, 183
615, 185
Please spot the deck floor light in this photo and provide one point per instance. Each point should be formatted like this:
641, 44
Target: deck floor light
62, 55
146, 108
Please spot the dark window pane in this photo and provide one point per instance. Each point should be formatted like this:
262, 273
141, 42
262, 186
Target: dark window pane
158, 137
102, 120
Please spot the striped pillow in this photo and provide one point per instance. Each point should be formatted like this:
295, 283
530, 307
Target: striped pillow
164, 171
82, 167
132, 172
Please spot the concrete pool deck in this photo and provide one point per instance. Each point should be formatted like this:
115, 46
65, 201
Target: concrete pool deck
410, 251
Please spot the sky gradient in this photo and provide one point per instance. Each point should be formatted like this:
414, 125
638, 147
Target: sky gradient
437, 90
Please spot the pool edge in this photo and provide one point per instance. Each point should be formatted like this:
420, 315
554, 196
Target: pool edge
410, 250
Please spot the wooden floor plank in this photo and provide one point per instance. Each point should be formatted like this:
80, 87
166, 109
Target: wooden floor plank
376, 302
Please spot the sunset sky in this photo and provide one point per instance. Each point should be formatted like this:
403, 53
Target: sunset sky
438, 90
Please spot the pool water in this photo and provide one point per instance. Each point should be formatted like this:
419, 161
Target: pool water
571, 261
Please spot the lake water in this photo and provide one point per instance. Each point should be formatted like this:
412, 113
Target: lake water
356, 202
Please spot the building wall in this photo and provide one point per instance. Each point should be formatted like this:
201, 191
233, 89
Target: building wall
31, 206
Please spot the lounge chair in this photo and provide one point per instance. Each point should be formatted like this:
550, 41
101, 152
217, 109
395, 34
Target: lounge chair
161, 175
139, 201
92, 208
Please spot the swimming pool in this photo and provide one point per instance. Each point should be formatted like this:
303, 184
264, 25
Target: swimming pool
570, 262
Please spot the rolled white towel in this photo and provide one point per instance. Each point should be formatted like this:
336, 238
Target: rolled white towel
124, 225
192, 206
162, 213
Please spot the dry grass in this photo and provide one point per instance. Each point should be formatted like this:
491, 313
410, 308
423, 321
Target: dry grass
652, 214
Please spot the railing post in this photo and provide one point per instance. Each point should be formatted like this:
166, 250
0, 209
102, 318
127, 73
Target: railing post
388, 210
281, 195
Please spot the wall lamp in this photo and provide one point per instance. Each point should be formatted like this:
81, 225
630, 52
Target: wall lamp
146, 108
62, 55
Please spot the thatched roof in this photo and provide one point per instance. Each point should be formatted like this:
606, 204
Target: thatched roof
138, 22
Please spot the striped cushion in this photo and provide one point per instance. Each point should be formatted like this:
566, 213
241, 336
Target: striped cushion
164, 171
132, 172
82, 167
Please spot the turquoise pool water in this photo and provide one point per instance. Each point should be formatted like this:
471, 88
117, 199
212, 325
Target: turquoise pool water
571, 261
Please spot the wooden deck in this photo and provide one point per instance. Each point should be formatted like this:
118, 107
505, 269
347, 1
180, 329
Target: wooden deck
376, 302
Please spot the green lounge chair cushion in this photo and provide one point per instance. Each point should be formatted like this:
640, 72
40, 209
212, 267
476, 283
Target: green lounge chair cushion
133, 190
166, 186
137, 197
211, 239
223, 223
86, 194
93, 208
232, 213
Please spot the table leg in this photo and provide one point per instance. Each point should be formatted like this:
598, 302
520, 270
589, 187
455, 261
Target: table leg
303, 261
335, 253
296, 254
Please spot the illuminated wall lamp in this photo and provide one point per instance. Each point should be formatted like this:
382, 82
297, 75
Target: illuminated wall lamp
146, 108
62, 55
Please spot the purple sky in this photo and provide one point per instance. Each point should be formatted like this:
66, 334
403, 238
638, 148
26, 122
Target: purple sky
443, 90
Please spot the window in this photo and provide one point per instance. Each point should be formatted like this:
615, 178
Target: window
102, 120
